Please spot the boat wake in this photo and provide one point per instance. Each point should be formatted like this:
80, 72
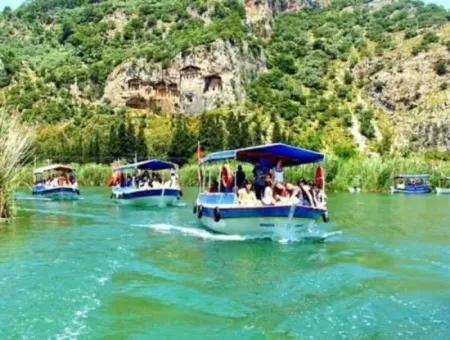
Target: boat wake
194, 232
285, 236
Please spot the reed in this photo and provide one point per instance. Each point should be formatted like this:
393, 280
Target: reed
15, 141
93, 174
372, 174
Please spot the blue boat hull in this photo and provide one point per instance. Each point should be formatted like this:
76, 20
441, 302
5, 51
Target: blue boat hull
150, 197
234, 219
422, 189
58, 194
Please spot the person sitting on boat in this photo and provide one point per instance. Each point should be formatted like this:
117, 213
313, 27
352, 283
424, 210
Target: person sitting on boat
214, 187
226, 179
240, 177
280, 193
246, 195
278, 173
305, 187
156, 181
54, 182
129, 181
318, 196
267, 198
293, 191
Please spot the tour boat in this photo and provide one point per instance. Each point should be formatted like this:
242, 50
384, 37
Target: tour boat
56, 182
444, 186
150, 192
354, 190
411, 184
222, 213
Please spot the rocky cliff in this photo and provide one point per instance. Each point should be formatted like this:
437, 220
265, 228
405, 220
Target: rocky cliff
261, 13
197, 80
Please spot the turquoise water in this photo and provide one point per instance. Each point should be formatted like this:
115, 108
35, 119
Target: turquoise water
92, 269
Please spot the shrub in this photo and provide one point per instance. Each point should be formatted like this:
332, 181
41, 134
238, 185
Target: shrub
440, 68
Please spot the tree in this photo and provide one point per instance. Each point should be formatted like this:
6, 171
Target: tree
182, 143
141, 142
130, 140
114, 144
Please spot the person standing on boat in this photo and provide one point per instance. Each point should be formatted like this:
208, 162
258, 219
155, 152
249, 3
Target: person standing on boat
278, 173
240, 177
226, 179
259, 173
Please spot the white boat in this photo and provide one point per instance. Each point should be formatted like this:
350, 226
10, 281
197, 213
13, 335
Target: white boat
56, 182
148, 192
221, 212
354, 190
444, 186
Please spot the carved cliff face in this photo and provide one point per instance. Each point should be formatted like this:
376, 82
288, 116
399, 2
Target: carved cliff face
203, 78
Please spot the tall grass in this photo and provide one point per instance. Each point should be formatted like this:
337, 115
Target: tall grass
373, 174
15, 141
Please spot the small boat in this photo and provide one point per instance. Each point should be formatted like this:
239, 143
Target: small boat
411, 184
355, 185
134, 183
354, 190
56, 182
444, 186
222, 213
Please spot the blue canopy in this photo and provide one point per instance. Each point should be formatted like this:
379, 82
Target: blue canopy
419, 176
153, 164
268, 154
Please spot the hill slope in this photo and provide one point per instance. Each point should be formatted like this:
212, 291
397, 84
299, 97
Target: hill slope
100, 78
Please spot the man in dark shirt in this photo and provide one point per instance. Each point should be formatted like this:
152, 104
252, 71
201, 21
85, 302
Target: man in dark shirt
240, 177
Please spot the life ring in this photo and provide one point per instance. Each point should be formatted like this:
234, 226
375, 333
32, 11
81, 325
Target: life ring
199, 212
217, 214
325, 217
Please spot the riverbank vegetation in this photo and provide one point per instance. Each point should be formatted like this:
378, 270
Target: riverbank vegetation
15, 142
372, 174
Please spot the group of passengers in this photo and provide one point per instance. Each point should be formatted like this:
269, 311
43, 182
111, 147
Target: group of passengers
61, 180
143, 180
269, 187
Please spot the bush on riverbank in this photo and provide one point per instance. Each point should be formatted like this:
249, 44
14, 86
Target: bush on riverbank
15, 143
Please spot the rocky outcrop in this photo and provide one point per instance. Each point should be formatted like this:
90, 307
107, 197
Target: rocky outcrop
407, 83
413, 95
203, 78
261, 13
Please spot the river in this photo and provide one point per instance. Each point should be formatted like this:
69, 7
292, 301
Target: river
92, 269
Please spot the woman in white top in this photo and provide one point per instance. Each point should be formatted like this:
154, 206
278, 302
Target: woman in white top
278, 173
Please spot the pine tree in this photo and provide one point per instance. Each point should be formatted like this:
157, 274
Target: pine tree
141, 142
182, 143
122, 148
114, 144
130, 140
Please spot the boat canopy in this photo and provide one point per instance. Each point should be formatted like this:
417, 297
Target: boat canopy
420, 176
268, 155
152, 164
54, 167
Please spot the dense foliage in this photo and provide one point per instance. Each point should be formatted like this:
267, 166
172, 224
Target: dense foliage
55, 56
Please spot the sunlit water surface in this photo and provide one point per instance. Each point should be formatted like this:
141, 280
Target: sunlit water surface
92, 269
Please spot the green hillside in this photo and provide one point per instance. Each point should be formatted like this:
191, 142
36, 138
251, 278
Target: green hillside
330, 83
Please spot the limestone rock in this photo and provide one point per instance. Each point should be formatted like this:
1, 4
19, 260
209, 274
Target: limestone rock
203, 78
261, 13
